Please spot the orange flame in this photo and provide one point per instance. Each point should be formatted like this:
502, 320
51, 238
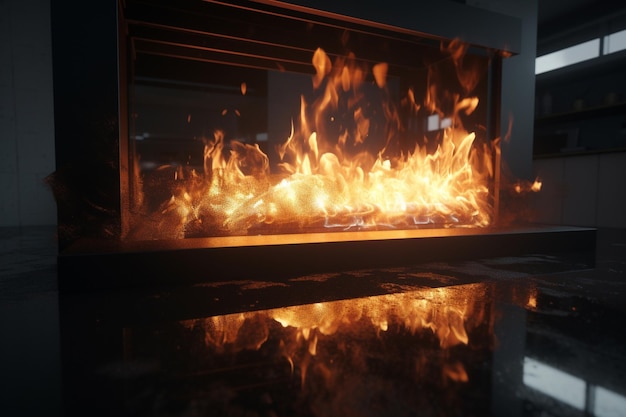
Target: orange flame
341, 167
521, 187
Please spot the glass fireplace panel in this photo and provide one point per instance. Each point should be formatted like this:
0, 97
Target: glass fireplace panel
251, 121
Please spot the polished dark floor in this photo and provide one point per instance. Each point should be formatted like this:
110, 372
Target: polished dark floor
519, 336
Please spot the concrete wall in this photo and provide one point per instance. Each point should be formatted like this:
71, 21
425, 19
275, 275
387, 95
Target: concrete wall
584, 190
26, 114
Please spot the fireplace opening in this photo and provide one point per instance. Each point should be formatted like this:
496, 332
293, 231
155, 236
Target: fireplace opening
262, 120
299, 137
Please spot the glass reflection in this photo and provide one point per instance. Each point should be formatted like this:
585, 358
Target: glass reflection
572, 390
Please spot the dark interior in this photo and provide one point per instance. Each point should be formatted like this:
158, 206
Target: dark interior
518, 320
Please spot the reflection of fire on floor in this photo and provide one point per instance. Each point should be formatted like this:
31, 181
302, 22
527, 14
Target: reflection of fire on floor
384, 354
428, 338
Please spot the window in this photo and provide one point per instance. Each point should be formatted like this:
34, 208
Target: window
614, 42
434, 123
568, 56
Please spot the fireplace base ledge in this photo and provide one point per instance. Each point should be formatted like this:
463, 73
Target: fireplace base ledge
89, 266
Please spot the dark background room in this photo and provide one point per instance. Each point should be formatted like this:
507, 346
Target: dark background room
101, 317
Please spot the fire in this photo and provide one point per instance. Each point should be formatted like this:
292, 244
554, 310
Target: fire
525, 187
532, 299
349, 162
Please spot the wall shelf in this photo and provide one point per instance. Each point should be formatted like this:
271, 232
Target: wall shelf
581, 108
574, 153
586, 113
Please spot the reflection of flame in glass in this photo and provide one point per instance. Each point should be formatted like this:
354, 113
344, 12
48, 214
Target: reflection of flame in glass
532, 298
324, 338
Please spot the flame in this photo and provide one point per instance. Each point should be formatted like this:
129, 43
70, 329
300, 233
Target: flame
344, 164
322, 65
536, 187
522, 187
532, 299
456, 372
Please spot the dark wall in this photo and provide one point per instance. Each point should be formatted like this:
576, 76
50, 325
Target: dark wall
85, 83
26, 114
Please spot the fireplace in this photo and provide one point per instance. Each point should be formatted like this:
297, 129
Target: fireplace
279, 138
269, 120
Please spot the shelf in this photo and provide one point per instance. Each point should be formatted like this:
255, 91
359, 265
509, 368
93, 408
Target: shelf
588, 113
575, 152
